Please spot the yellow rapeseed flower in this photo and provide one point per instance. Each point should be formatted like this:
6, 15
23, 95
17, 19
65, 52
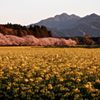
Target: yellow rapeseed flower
26, 80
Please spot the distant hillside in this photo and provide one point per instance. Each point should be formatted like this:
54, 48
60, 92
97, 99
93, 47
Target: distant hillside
18, 30
65, 25
92, 29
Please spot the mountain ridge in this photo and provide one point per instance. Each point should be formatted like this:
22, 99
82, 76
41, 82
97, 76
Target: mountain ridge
68, 25
58, 21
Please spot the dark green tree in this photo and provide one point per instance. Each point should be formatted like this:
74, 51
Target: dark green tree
50, 34
19, 33
36, 30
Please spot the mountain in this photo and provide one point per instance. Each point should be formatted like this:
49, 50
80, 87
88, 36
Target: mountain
65, 25
82, 29
67, 21
88, 19
59, 21
92, 29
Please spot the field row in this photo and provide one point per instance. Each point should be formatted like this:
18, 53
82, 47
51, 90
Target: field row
49, 73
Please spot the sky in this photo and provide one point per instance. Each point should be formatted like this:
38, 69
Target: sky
26, 12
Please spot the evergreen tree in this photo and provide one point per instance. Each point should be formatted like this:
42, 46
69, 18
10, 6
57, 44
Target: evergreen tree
44, 29
36, 30
19, 33
50, 34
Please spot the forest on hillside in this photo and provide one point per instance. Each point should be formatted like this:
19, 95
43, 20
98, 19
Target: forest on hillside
18, 30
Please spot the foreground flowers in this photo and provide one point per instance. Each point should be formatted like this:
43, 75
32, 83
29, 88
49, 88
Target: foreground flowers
49, 73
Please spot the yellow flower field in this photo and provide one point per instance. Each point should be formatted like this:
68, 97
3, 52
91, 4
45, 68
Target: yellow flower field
38, 73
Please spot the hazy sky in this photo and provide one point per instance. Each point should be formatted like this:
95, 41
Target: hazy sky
25, 12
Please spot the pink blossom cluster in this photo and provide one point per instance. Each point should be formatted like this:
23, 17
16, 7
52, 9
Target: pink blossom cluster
30, 40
